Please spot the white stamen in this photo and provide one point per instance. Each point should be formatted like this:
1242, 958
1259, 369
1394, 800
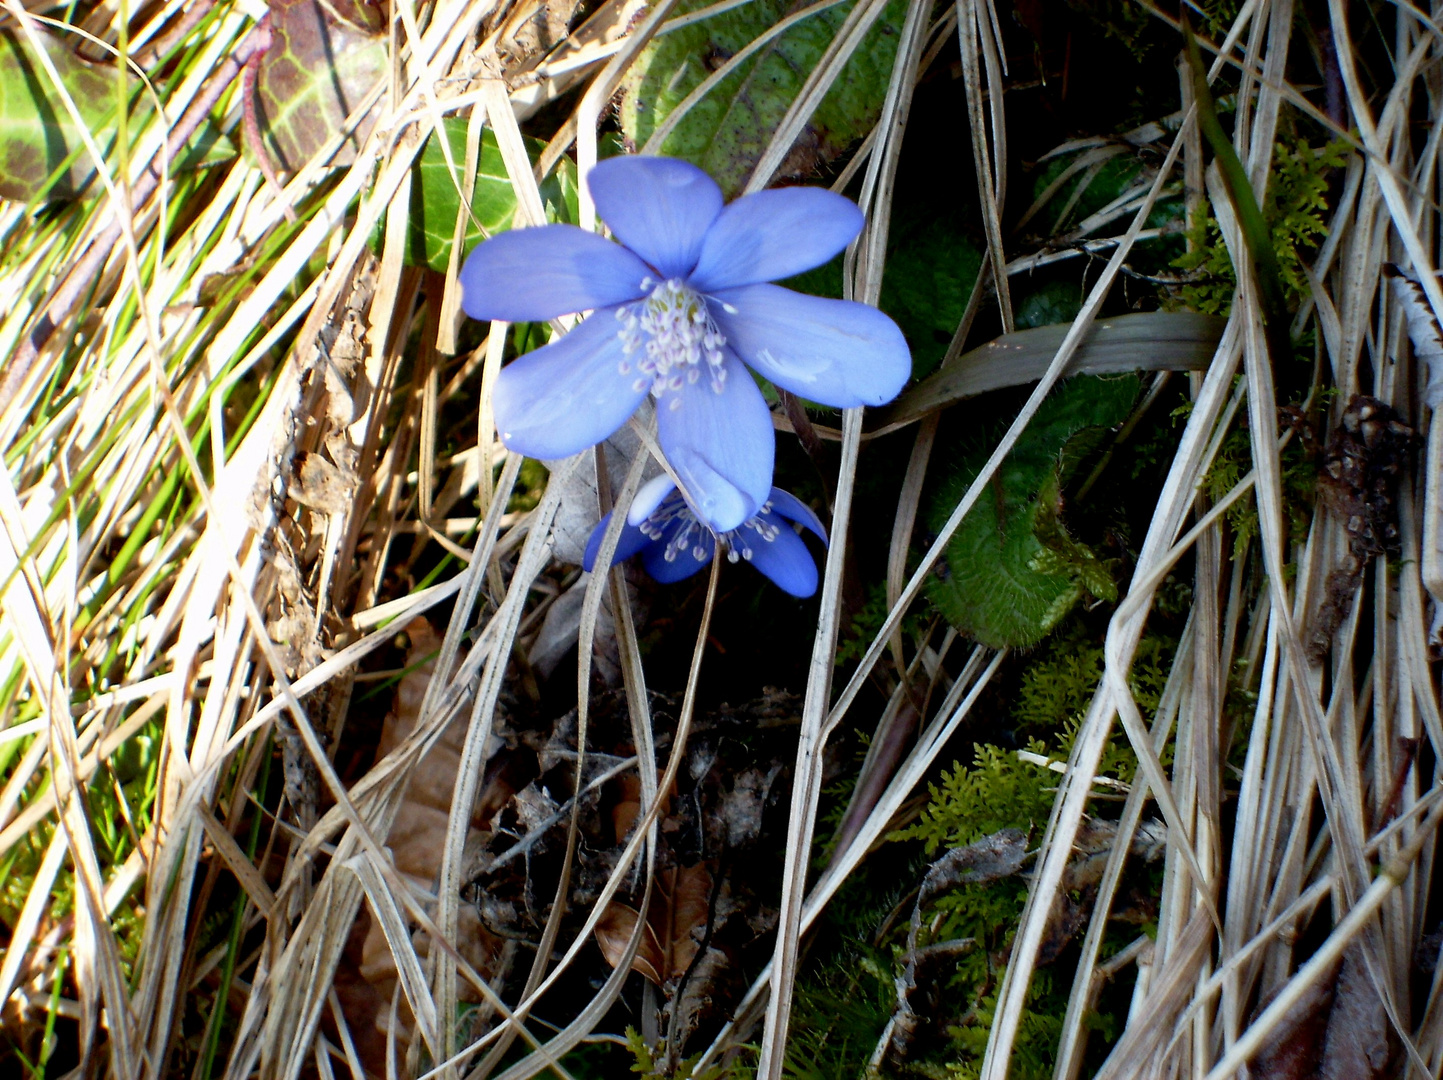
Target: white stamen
671, 513
672, 329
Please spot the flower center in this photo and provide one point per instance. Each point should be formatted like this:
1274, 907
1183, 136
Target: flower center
666, 337
738, 542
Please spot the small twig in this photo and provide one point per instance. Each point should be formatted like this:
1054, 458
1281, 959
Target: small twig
1408, 749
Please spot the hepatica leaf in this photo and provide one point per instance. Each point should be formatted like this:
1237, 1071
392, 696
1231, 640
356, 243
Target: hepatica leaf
729, 129
493, 201
41, 152
323, 59
1012, 569
932, 263
434, 201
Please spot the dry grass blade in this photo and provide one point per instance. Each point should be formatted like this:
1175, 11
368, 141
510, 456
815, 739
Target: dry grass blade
191, 348
866, 285
976, 21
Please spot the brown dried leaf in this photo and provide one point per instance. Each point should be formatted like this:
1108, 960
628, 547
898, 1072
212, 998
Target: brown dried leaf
1358, 1046
675, 925
418, 834
321, 485
614, 931
1296, 1047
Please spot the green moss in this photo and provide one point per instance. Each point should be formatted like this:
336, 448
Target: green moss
1296, 200
998, 791
646, 1064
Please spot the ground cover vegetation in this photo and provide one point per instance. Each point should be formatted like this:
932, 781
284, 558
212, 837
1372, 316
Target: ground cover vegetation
1104, 743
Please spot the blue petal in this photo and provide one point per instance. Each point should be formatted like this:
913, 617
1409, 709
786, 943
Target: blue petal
528, 275
775, 234
632, 540
721, 445
834, 352
568, 395
785, 560
789, 506
685, 564
658, 207
651, 495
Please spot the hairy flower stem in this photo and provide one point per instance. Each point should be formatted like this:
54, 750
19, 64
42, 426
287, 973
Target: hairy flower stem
83, 273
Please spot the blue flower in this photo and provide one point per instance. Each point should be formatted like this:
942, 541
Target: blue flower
678, 305
674, 544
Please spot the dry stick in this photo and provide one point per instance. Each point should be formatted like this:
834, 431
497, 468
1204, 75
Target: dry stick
471, 766
1345, 828
807, 772
37, 903
121, 200
1305, 902
646, 826
906, 518
974, 35
531, 561
973, 680
900, 718
1387, 180
32, 625
590, 613
253, 614
1087, 750
308, 736
1072, 1043
1116, 679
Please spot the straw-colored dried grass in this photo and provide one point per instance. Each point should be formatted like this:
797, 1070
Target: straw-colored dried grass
100, 417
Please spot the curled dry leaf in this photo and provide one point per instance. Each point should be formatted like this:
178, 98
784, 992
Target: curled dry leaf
1338, 1030
1361, 470
321, 485
675, 925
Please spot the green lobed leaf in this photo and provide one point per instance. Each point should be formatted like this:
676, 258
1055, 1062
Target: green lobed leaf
1012, 570
1053, 304
1111, 178
728, 130
41, 151
932, 264
323, 59
434, 199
